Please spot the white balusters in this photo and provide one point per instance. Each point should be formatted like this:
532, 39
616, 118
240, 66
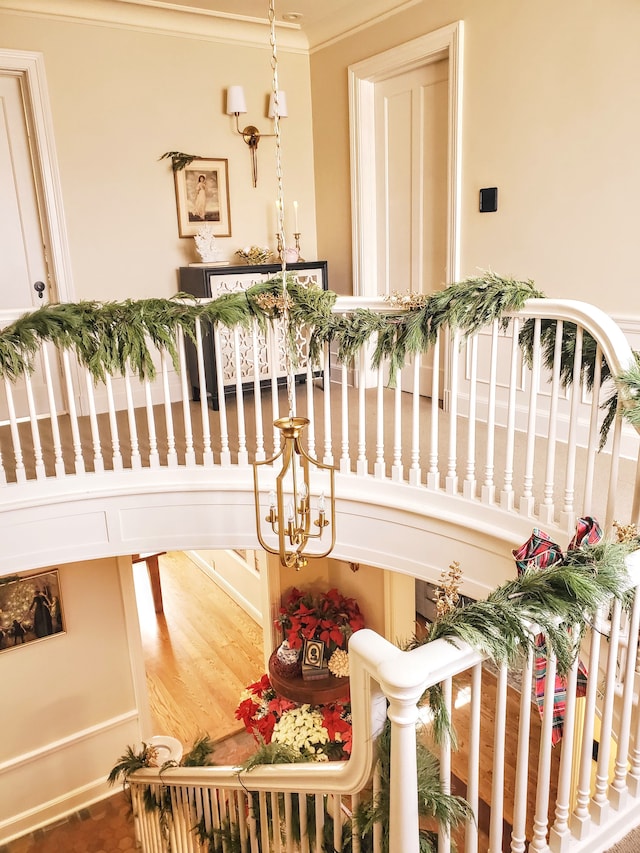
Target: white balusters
380, 468
547, 507
396, 468
154, 456
21, 475
207, 453
225, 453
116, 455
594, 436
98, 461
257, 394
560, 835
433, 475
473, 769
613, 474
488, 494
507, 495
444, 834
136, 459
189, 451
519, 828
541, 815
345, 463
469, 484
35, 430
414, 469
600, 803
568, 515
326, 407
53, 414
527, 500
497, 784
361, 461
581, 817
451, 481
73, 417
311, 429
243, 456
172, 456
619, 792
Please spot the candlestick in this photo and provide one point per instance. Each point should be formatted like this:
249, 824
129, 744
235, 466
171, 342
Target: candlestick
297, 239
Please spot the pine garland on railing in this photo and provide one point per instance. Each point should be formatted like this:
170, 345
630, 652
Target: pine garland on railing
110, 337
113, 337
560, 601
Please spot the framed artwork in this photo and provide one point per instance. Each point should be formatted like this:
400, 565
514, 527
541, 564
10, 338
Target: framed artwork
313, 653
202, 197
30, 609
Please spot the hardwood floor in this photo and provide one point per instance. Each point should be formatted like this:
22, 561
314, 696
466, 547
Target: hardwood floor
199, 654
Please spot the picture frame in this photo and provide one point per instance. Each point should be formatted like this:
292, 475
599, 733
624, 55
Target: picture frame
30, 609
202, 197
313, 653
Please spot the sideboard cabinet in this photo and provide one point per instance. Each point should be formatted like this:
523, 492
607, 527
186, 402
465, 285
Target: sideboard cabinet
209, 282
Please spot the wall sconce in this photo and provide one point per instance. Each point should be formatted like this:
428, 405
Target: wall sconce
236, 105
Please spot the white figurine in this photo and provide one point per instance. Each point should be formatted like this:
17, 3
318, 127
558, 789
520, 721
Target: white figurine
206, 244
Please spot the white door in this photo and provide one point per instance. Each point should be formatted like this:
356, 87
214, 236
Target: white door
25, 282
405, 113
411, 145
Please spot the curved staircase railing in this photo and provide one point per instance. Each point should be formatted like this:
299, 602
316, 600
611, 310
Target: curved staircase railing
507, 432
524, 792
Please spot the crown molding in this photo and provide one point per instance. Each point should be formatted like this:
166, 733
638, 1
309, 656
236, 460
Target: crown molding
163, 18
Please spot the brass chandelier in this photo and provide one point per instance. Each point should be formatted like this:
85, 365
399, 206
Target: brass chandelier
299, 498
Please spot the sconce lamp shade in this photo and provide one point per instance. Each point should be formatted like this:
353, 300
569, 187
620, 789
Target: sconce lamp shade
282, 105
235, 100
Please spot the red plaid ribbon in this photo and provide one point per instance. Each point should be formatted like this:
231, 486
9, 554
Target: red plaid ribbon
541, 552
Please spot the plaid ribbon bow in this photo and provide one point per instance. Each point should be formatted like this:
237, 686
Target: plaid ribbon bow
540, 552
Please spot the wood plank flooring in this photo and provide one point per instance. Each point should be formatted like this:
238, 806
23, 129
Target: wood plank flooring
199, 654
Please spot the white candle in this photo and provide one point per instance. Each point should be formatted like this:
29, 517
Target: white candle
295, 217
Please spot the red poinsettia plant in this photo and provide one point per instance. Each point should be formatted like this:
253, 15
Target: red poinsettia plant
328, 616
319, 732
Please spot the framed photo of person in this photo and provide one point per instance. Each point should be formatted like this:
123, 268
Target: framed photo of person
313, 653
202, 197
30, 609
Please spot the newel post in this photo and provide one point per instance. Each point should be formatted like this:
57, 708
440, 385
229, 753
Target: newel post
403, 793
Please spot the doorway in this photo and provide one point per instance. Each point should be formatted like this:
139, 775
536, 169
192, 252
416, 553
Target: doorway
33, 245
200, 651
405, 119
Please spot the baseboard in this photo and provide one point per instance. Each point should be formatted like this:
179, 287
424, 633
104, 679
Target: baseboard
233, 593
54, 810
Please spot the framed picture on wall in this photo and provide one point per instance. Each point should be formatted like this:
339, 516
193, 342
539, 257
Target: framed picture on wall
30, 609
202, 197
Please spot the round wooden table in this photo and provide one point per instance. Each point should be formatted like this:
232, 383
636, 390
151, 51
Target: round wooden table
320, 691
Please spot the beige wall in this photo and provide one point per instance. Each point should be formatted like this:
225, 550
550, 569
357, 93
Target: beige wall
121, 97
549, 117
68, 704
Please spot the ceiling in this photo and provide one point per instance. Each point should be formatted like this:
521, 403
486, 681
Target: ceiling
319, 20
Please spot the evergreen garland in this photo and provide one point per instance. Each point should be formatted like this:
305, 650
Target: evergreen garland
113, 337
560, 601
548, 330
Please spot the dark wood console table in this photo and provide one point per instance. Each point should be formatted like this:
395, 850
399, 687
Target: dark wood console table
210, 282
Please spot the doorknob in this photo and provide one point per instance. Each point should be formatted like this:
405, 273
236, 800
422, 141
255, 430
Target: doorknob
39, 287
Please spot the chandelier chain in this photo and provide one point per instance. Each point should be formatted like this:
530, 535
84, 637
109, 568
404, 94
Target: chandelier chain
280, 203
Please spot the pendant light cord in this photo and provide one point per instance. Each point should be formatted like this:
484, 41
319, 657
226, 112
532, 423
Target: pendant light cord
280, 204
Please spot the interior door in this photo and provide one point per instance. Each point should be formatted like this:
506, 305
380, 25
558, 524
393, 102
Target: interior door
25, 283
411, 145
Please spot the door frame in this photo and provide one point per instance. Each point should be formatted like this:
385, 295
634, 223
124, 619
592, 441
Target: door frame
444, 43
30, 67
